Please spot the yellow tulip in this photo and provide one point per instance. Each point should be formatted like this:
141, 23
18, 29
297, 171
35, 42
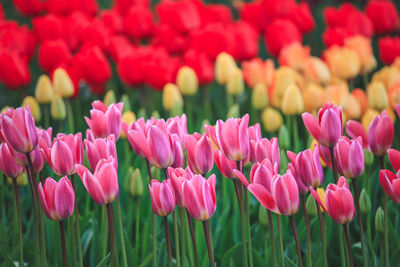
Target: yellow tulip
235, 83
362, 46
57, 108
259, 96
351, 107
294, 55
343, 62
128, 117
316, 70
312, 97
109, 98
44, 90
62, 83
321, 194
292, 101
272, 119
368, 117
22, 180
284, 77
187, 81
34, 106
377, 96
171, 97
224, 66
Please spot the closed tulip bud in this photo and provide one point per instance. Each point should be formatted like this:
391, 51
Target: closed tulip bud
365, 201
233, 111
128, 117
272, 119
259, 97
368, 157
127, 103
377, 96
134, 183
349, 157
22, 180
44, 90
142, 113
292, 101
284, 137
311, 207
286, 194
379, 220
262, 215
62, 83
200, 153
171, 97
162, 197
33, 105
187, 81
235, 83
224, 66
109, 98
58, 110
155, 172
155, 114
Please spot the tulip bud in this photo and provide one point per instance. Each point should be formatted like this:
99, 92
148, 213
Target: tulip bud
33, 105
141, 113
379, 222
203, 123
62, 83
292, 101
284, 158
365, 202
368, 117
187, 81
284, 137
58, 109
128, 117
272, 119
155, 114
155, 172
22, 180
134, 183
262, 215
377, 96
171, 97
368, 157
233, 111
127, 105
235, 83
311, 206
44, 90
109, 98
259, 97
224, 66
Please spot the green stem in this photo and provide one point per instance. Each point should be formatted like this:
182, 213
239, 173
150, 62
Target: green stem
72, 239
64, 250
153, 219
168, 241
242, 222
182, 230
189, 112
78, 228
307, 222
300, 260
111, 226
105, 229
121, 233
137, 232
196, 257
295, 133
207, 234
18, 211
334, 168
341, 247
248, 225
360, 224
272, 235
70, 116
46, 111
346, 234
278, 220
176, 236
385, 218
322, 232
207, 103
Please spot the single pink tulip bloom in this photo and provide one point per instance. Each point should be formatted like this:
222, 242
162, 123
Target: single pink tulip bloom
200, 153
179, 157
391, 184
255, 132
57, 199
394, 157
7, 163
101, 148
46, 135
105, 120
233, 138
65, 152
339, 201
225, 166
102, 185
178, 176
162, 197
178, 125
19, 130
286, 194
328, 128
199, 197
140, 126
265, 149
349, 157
36, 157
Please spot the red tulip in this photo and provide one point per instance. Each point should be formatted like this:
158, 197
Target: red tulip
7, 163
17, 39
349, 157
29, 7
138, 22
112, 20
302, 17
102, 185
339, 201
389, 49
2, 15
48, 27
279, 34
336, 36
14, 70
391, 184
96, 33
253, 13
199, 197
383, 15
202, 65
105, 120
130, 66
58, 198
101, 148
178, 176
200, 153
245, 34
19, 130
53, 53
162, 197
122, 6
173, 41
328, 128
213, 13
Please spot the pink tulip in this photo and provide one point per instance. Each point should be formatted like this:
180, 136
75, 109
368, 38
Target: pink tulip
102, 185
46, 135
36, 157
397, 108
233, 138
199, 197
265, 149
380, 133
225, 166
177, 125
328, 128
200, 153
394, 157
105, 120
155, 144
57, 199
65, 152
286, 194
179, 157
349, 157
162, 197
7, 163
391, 184
140, 126
101, 148
339, 201
178, 176
19, 130
255, 132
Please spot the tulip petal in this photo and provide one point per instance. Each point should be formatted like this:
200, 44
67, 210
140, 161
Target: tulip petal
191, 200
317, 198
93, 187
64, 198
241, 177
312, 125
263, 196
394, 157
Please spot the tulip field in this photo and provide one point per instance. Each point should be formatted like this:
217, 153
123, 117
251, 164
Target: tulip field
199, 133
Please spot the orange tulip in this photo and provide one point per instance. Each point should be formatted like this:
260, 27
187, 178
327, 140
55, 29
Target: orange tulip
362, 99
294, 55
362, 46
316, 70
256, 71
343, 62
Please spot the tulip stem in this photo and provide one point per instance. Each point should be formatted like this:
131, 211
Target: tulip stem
334, 169
346, 234
272, 235
196, 257
360, 224
168, 241
278, 220
207, 234
137, 232
207, 103
322, 231
176, 236
183, 236
121, 233
309, 258
242, 222
295, 133
70, 116
189, 112
110, 214
149, 171
385, 220
300, 260
64, 250
17, 204
248, 225
78, 229
153, 219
